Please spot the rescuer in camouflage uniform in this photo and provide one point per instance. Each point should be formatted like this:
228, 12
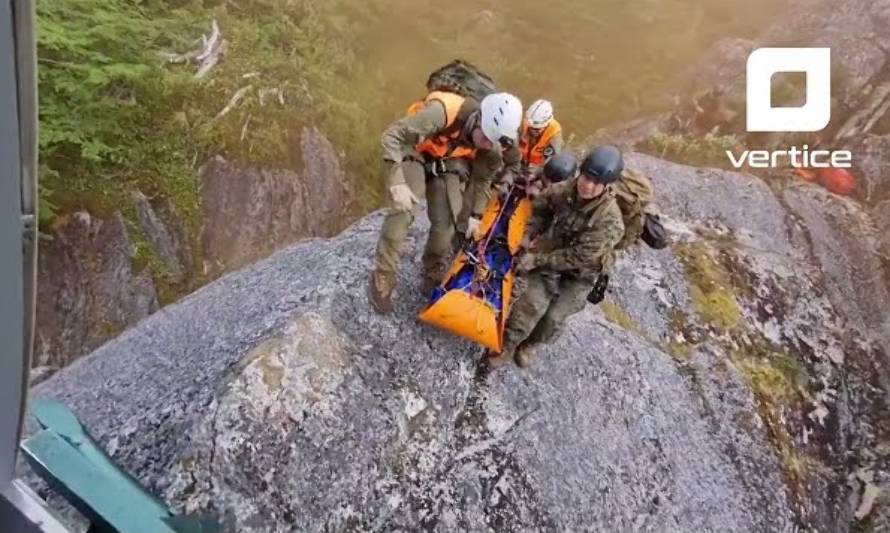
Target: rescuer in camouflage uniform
559, 168
634, 193
450, 150
576, 225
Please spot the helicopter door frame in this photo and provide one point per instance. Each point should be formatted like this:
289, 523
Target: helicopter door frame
20, 508
16, 188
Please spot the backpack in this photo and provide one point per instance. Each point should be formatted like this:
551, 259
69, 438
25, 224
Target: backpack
655, 235
461, 78
633, 193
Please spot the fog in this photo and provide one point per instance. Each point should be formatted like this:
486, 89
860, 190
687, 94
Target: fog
599, 61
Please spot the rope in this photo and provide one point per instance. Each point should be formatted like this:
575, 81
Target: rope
484, 271
497, 220
479, 310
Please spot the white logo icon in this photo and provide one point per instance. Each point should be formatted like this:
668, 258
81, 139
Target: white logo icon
814, 115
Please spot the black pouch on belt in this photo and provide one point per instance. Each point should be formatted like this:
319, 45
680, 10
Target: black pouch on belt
654, 233
598, 293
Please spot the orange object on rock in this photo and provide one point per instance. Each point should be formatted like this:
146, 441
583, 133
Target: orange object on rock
837, 180
474, 299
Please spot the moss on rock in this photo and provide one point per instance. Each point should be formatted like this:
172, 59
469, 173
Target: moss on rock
616, 315
711, 289
779, 383
768, 382
681, 351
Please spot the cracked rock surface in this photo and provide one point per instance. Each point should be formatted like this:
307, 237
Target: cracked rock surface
250, 212
88, 288
276, 399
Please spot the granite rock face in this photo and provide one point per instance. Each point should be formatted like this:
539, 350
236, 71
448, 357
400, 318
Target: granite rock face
249, 213
872, 157
710, 95
94, 284
859, 57
166, 233
88, 290
721, 386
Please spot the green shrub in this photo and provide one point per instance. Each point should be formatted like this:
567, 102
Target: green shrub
707, 151
116, 115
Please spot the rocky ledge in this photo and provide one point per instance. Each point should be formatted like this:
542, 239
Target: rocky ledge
732, 382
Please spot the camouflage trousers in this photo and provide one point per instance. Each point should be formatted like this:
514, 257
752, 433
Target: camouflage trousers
542, 308
444, 199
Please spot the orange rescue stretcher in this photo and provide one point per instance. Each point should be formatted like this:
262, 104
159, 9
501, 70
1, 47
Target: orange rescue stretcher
473, 300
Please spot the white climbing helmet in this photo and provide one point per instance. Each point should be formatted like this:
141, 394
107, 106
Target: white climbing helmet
501, 117
539, 114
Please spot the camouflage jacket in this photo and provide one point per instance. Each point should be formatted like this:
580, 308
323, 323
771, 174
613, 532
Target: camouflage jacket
575, 236
400, 138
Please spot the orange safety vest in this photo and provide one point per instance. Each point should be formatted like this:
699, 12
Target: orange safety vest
533, 154
444, 145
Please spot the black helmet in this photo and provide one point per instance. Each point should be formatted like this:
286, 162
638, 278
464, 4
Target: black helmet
604, 164
560, 167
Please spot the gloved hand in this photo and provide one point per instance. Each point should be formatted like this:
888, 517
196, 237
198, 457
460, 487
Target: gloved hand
473, 225
402, 197
525, 177
534, 190
505, 183
526, 263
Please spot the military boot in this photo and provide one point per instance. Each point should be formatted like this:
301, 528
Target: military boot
525, 356
431, 279
428, 285
380, 287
